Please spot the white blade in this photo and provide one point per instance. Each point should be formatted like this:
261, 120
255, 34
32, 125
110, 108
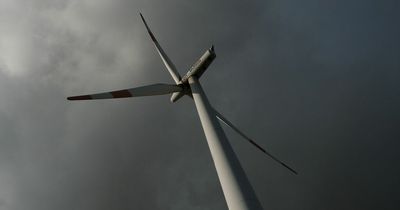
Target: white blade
149, 90
167, 62
229, 124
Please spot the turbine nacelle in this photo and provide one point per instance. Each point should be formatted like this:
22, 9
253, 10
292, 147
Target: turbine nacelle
200, 66
196, 70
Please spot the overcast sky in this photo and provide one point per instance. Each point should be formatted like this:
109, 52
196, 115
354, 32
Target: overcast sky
314, 82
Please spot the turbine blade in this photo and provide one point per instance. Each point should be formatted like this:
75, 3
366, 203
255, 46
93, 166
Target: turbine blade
149, 90
167, 62
229, 124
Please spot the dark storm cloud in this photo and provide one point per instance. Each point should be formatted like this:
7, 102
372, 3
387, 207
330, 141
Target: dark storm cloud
314, 82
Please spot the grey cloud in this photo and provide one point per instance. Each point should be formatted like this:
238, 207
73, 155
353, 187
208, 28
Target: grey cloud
313, 82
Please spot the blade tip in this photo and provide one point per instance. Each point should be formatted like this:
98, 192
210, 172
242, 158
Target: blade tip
292, 170
141, 16
82, 97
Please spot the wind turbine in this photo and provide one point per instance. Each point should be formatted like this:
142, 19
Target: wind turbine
238, 192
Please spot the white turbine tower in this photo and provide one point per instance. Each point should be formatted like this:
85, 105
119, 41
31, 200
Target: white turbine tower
239, 194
